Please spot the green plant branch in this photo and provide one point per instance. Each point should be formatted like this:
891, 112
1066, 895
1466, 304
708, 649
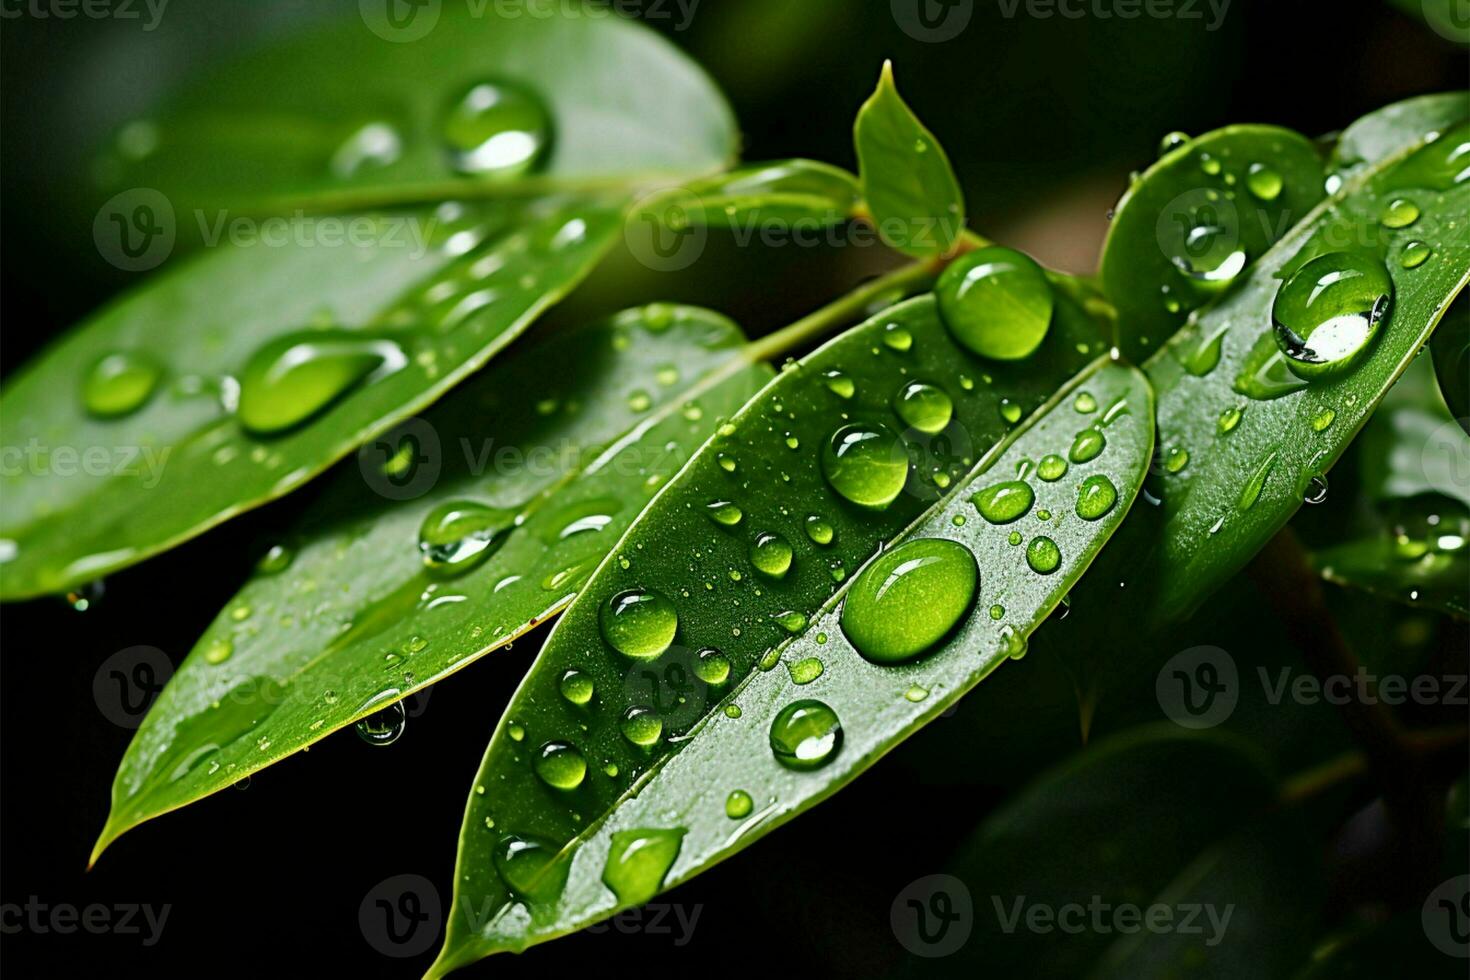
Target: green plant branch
1435, 747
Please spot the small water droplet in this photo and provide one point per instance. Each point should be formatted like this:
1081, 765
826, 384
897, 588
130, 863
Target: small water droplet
1051, 468
819, 530
293, 377
639, 623
923, 406
1414, 255
642, 726
1009, 411
459, 535
738, 804
724, 512
1323, 420
1005, 502
712, 666
771, 554
638, 861
577, 687
866, 465
1316, 491
1096, 496
1251, 492
560, 765
1264, 182
1229, 419
1400, 213
1087, 446
1172, 141
497, 130
805, 735
1085, 403
805, 671
839, 384
121, 383
1043, 555
383, 727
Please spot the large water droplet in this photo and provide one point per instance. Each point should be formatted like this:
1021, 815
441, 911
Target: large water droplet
120, 384
639, 623
497, 130
771, 554
1328, 313
577, 687
805, 735
293, 377
909, 598
1414, 255
1043, 555
1400, 213
383, 727
1172, 141
924, 407
642, 726
996, 302
638, 861
724, 512
1210, 257
528, 866
1264, 181
560, 765
712, 666
1002, 503
865, 464
459, 535
1095, 497
1087, 446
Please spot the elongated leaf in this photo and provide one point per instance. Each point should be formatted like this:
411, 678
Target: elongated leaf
697, 725
788, 191
427, 101
1185, 229
1384, 133
563, 442
1451, 347
1242, 438
909, 185
1155, 854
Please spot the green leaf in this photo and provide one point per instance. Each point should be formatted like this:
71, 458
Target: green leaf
1385, 132
1242, 438
910, 187
563, 443
699, 579
353, 114
182, 461
1451, 349
1186, 229
783, 191
1145, 820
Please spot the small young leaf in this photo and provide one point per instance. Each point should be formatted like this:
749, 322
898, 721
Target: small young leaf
1187, 229
583, 429
1148, 823
908, 183
723, 569
346, 338
475, 100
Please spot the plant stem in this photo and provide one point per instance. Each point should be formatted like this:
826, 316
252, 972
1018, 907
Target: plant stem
1294, 592
1432, 746
839, 312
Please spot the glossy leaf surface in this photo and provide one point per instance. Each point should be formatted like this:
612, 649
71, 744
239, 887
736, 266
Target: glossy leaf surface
558, 447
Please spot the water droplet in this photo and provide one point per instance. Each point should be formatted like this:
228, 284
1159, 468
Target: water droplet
1206, 354
996, 302
1264, 182
1095, 497
120, 384
639, 623
295, 376
1014, 538
577, 687
1176, 458
1087, 446
1400, 213
370, 147
805, 671
639, 400
916, 693
791, 621
1251, 492
497, 130
276, 560
805, 735
865, 464
1172, 141
1010, 411
909, 598
1085, 404
528, 866
560, 765
726, 461
383, 727
771, 554
732, 711
924, 406
1439, 165
1327, 314
724, 512
516, 731
1051, 468
1012, 642
839, 384
819, 530
1229, 419
1043, 555
1002, 503
738, 804
638, 862
459, 535
1323, 420
1265, 373
712, 666
642, 726
1316, 491
219, 650
1414, 255
1209, 164
896, 337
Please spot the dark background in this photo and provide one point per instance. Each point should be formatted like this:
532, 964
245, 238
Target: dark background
1043, 120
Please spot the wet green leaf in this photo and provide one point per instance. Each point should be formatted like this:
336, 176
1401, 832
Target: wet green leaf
1183, 828
1387, 131
444, 102
1451, 349
684, 628
910, 187
1241, 436
558, 447
1189, 226
785, 191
